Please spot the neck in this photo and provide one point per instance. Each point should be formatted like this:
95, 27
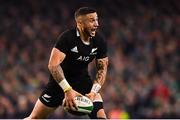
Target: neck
84, 37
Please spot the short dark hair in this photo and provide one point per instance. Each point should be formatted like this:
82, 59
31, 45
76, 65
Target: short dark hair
83, 11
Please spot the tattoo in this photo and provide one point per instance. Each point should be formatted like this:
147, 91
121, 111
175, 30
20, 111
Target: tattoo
101, 70
57, 73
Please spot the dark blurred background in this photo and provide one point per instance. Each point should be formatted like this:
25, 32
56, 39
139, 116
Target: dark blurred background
143, 39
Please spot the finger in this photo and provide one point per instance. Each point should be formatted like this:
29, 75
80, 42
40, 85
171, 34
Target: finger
74, 103
64, 103
72, 106
86, 94
78, 94
67, 104
90, 96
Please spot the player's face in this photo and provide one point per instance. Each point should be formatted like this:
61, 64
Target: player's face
90, 24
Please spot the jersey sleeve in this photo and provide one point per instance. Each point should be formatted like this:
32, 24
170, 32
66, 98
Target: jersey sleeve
102, 49
62, 43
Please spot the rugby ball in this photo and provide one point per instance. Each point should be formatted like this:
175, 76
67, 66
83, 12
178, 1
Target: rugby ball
84, 105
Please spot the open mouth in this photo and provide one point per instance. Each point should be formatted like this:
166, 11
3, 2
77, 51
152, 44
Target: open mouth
93, 31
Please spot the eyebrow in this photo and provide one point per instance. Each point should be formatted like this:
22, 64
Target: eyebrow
92, 18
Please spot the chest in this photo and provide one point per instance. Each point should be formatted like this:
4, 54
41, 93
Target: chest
80, 52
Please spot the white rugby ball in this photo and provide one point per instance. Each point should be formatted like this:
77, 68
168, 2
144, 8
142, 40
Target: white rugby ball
84, 105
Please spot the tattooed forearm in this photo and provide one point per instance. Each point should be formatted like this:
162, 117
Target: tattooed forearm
57, 73
101, 70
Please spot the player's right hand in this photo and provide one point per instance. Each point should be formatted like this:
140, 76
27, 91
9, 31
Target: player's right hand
69, 99
91, 95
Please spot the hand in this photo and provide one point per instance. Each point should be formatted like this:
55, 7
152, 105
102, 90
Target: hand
69, 99
91, 95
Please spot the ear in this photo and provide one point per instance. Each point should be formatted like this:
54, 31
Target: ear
80, 19
79, 23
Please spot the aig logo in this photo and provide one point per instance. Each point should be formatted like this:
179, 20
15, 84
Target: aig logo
83, 58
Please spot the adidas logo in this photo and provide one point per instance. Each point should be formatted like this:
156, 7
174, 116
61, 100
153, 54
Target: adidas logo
74, 49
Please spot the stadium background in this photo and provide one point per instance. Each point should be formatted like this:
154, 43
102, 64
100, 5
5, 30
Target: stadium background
143, 41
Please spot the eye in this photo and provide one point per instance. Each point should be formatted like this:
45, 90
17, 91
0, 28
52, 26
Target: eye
91, 19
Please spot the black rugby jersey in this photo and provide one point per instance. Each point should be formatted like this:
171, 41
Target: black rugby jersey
78, 54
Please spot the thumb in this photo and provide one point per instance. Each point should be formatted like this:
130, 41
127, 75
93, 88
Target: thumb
78, 94
87, 94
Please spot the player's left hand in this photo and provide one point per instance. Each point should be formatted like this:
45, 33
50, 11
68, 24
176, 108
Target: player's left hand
91, 95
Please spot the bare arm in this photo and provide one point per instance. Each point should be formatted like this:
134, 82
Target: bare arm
54, 67
55, 60
101, 65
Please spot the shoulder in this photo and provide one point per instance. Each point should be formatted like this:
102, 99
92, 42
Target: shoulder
101, 44
99, 39
65, 39
69, 33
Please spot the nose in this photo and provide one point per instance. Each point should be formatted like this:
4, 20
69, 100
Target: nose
96, 23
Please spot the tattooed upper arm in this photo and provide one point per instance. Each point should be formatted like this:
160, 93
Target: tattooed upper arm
56, 58
101, 65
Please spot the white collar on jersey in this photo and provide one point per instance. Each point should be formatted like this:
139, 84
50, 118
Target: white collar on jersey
77, 33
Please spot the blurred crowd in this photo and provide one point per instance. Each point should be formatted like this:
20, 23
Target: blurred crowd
143, 47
